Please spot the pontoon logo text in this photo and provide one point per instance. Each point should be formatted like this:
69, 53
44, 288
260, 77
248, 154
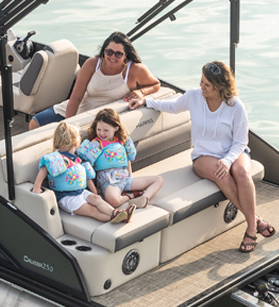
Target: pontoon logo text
38, 264
145, 122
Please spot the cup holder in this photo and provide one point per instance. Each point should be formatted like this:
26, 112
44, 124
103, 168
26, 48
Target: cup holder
42, 188
84, 248
69, 242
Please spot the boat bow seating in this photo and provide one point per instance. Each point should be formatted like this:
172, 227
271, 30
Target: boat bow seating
186, 212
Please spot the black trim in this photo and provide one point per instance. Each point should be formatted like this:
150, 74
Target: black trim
24, 233
48, 48
198, 206
141, 233
267, 155
30, 76
43, 290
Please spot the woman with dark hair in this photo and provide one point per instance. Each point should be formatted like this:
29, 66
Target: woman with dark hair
121, 38
220, 138
115, 73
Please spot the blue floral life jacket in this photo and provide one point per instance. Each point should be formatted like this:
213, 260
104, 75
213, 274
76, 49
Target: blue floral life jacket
111, 155
65, 174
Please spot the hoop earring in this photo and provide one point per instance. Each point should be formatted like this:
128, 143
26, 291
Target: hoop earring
125, 62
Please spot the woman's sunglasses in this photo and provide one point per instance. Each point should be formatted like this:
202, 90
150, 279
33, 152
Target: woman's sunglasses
110, 52
213, 68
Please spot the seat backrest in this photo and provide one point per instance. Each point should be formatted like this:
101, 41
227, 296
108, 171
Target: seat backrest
48, 78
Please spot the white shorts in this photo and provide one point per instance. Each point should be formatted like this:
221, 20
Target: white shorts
73, 203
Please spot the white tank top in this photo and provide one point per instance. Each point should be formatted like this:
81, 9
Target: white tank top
101, 89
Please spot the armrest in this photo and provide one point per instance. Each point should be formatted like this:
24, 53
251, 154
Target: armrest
41, 208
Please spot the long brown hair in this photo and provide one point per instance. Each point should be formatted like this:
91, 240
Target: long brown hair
110, 117
224, 81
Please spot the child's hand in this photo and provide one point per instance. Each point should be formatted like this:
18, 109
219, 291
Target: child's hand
37, 190
91, 186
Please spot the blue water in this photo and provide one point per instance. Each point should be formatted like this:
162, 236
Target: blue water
175, 51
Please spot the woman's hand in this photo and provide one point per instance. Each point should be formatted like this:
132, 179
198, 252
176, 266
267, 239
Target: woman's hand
222, 170
136, 103
135, 94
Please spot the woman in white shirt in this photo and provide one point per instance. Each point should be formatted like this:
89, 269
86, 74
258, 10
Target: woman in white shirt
220, 137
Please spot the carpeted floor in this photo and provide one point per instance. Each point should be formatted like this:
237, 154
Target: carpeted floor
185, 277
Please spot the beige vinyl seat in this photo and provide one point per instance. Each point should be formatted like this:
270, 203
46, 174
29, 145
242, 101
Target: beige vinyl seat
47, 79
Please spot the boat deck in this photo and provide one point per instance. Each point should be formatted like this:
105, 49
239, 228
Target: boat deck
186, 279
198, 273
20, 124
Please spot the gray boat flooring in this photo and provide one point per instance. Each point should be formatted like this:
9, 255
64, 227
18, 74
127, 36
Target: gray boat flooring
185, 277
196, 271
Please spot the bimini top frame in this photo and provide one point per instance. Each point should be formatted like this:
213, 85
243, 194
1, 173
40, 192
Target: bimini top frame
11, 12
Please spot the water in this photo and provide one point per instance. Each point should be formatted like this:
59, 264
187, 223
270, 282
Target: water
176, 51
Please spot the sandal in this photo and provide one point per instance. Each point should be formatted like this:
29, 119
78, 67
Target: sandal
129, 212
140, 202
118, 216
261, 229
136, 193
253, 244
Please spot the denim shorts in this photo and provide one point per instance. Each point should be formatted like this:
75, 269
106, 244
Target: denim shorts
47, 116
124, 185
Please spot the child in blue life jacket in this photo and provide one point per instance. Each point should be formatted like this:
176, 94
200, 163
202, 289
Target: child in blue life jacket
110, 151
68, 177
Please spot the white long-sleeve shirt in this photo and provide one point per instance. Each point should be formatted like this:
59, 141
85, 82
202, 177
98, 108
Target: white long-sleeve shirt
222, 134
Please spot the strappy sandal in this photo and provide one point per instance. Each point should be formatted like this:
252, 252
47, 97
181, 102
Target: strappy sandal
136, 193
129, 212
140, 202
261, 229
253, 244
118, 216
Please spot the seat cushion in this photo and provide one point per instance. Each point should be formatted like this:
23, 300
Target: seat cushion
196, 196
115, 237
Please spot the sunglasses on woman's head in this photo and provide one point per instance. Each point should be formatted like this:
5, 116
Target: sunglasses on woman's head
213, 68
110, 52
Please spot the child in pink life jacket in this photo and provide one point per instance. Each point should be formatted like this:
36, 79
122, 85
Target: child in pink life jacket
110, 151
68, 178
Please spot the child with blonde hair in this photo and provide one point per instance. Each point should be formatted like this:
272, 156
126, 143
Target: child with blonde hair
110, 151
68, 177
